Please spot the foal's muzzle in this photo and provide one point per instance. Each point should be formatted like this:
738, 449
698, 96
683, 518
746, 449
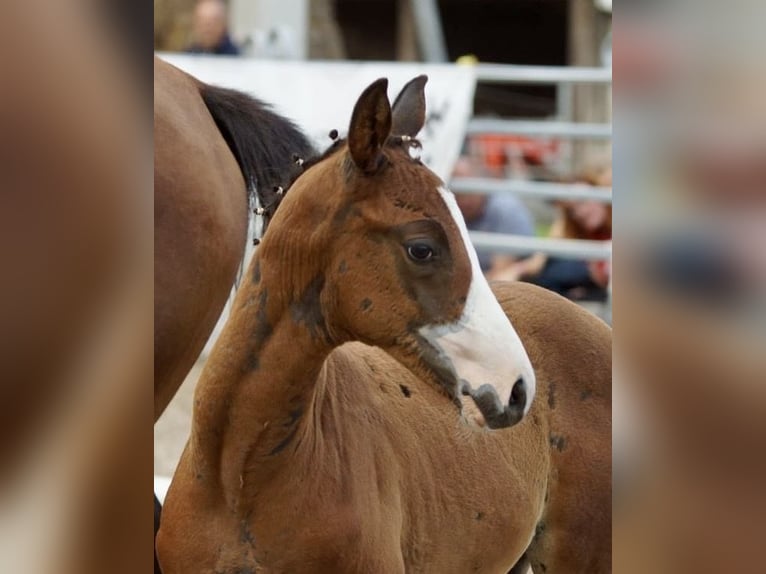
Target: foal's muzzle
495, 413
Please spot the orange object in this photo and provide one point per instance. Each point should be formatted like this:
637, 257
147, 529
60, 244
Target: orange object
494, 149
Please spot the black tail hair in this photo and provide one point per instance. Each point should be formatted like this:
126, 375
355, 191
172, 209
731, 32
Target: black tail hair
263, 142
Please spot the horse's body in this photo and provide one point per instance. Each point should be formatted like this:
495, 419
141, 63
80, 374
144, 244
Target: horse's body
571, 351
310, 455
388, 482
201, 207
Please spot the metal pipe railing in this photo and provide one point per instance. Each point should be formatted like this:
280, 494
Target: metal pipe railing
505, 73
539, 128
523, 245
536, 189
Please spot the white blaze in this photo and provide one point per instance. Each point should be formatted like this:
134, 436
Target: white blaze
483, 346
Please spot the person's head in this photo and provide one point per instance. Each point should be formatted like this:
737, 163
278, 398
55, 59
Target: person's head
472, 205
589, 216
210, 23
586, 218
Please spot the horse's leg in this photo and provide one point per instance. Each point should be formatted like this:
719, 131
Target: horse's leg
157, 514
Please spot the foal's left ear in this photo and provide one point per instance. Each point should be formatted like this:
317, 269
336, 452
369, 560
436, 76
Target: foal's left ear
370, 126
409, 109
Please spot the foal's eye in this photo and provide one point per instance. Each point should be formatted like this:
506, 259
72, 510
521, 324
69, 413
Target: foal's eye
420, 252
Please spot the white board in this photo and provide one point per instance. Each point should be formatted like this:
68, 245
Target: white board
320, 96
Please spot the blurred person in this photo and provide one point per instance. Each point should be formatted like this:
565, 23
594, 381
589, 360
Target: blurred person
575, 279
210, 29
493, 213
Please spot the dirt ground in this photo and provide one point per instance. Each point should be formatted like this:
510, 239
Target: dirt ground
172, 430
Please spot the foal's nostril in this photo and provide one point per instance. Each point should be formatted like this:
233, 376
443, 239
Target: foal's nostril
518, 392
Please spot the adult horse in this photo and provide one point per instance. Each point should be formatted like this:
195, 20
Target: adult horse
210, 146
340, 424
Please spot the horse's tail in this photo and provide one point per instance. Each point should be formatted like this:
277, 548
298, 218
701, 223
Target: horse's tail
263, 142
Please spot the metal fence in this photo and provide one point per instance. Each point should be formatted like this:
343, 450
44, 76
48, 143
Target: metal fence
559, 127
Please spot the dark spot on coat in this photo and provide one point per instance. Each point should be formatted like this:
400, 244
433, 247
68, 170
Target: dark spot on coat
405, 391
558, 442
252, 363
585, 395
285, 441
552, 395
308, 310
343, 267
246, 537
261, 332
365, 304
478, 516
263, 328
346, 210
294, 416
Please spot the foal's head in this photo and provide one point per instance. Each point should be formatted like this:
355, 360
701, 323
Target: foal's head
381, 243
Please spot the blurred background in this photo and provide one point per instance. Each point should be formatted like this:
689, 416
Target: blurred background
689, 173
689, 432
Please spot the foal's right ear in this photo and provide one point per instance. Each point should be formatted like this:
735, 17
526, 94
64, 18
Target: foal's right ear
409, 109
370, 126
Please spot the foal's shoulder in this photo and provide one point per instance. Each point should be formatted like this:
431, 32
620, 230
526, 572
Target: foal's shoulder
362, 369
359, 360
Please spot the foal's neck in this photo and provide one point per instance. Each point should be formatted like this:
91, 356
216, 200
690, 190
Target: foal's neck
252, 402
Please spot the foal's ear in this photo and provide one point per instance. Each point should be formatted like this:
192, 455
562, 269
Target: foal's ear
370, 126
409, 109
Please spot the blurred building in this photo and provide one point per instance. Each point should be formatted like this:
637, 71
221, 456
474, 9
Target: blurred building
525, 32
